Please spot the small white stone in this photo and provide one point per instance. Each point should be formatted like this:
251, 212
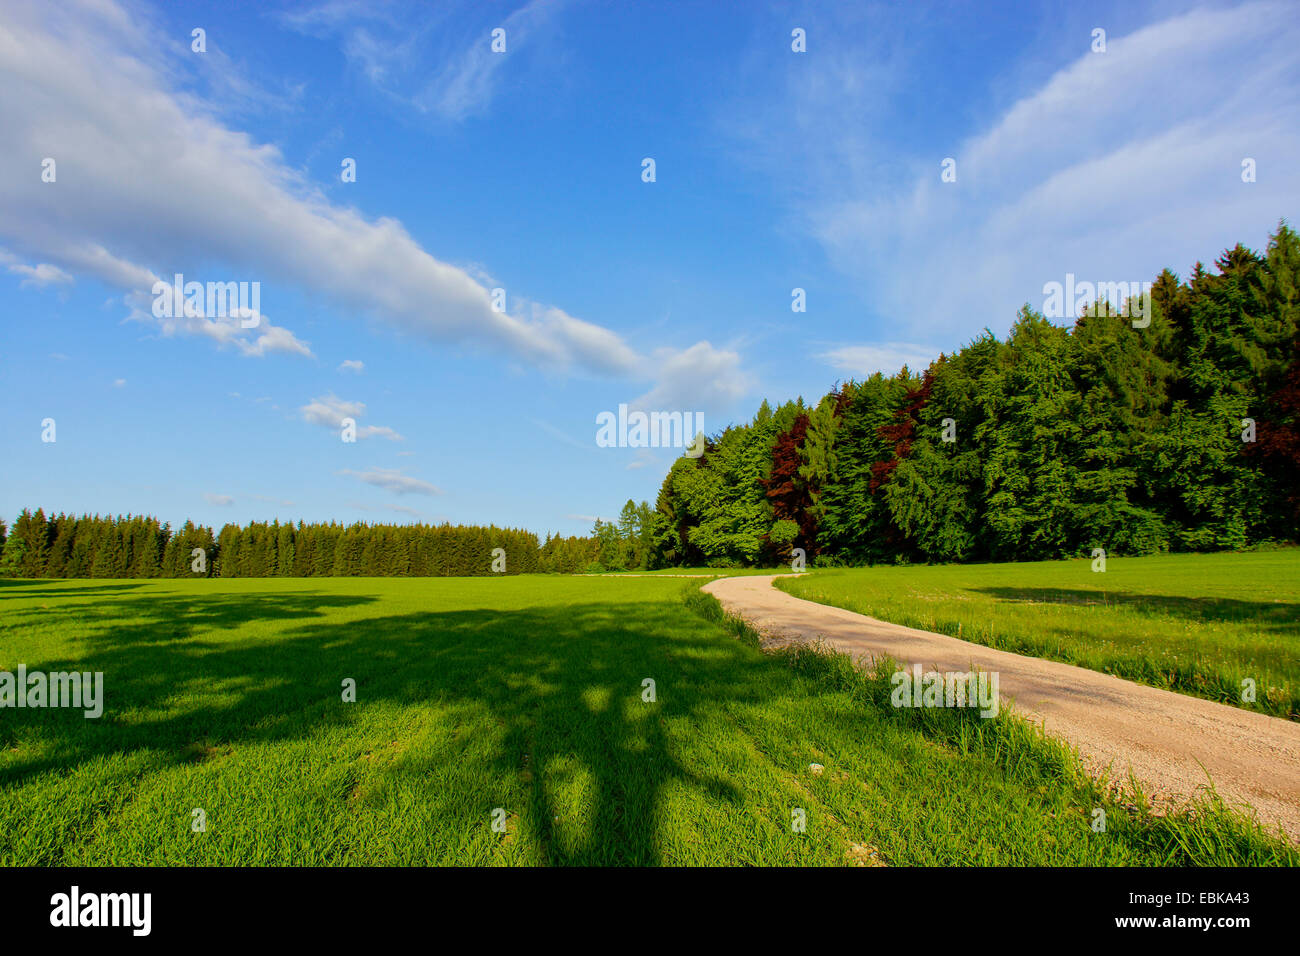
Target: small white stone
816, 767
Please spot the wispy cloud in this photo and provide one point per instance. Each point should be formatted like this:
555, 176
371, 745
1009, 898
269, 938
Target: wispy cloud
563, 436
466, 83
393, 49
888, 357
329, 411
413, 513
282, 502
394, 480
39, 276
1079, 174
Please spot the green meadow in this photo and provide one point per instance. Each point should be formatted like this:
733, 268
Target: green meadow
523, 700
1199, 624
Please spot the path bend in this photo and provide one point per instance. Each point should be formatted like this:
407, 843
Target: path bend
1169, 741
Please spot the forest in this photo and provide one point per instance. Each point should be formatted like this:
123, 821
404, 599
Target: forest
1179, 436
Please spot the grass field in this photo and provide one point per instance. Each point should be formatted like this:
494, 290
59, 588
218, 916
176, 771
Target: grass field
520, 693
1194, 623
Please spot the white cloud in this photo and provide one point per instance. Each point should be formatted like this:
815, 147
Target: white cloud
39, 276
394, 480
379, 431
700, 378
274, 339
222, 501
352, 365
119, 382
886, 357
144, 208
330, 410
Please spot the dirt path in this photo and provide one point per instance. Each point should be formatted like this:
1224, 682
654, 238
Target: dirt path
1164, 738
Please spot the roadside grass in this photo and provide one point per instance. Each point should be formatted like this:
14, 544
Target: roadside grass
693, 572
1208, 832
1199, 624
525, 694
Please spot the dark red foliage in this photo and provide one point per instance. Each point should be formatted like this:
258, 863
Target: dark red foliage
786, 488
901, 431
843, 396
1278, 439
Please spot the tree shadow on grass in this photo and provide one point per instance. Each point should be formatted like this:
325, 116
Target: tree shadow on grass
536, 670
39, 587
155, 619
1271, 615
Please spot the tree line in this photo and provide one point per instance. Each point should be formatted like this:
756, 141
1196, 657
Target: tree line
1181, 435
135, 546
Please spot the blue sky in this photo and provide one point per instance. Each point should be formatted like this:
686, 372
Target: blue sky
522, 170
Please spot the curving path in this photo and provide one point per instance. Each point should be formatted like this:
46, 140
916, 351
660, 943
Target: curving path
1169, 741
